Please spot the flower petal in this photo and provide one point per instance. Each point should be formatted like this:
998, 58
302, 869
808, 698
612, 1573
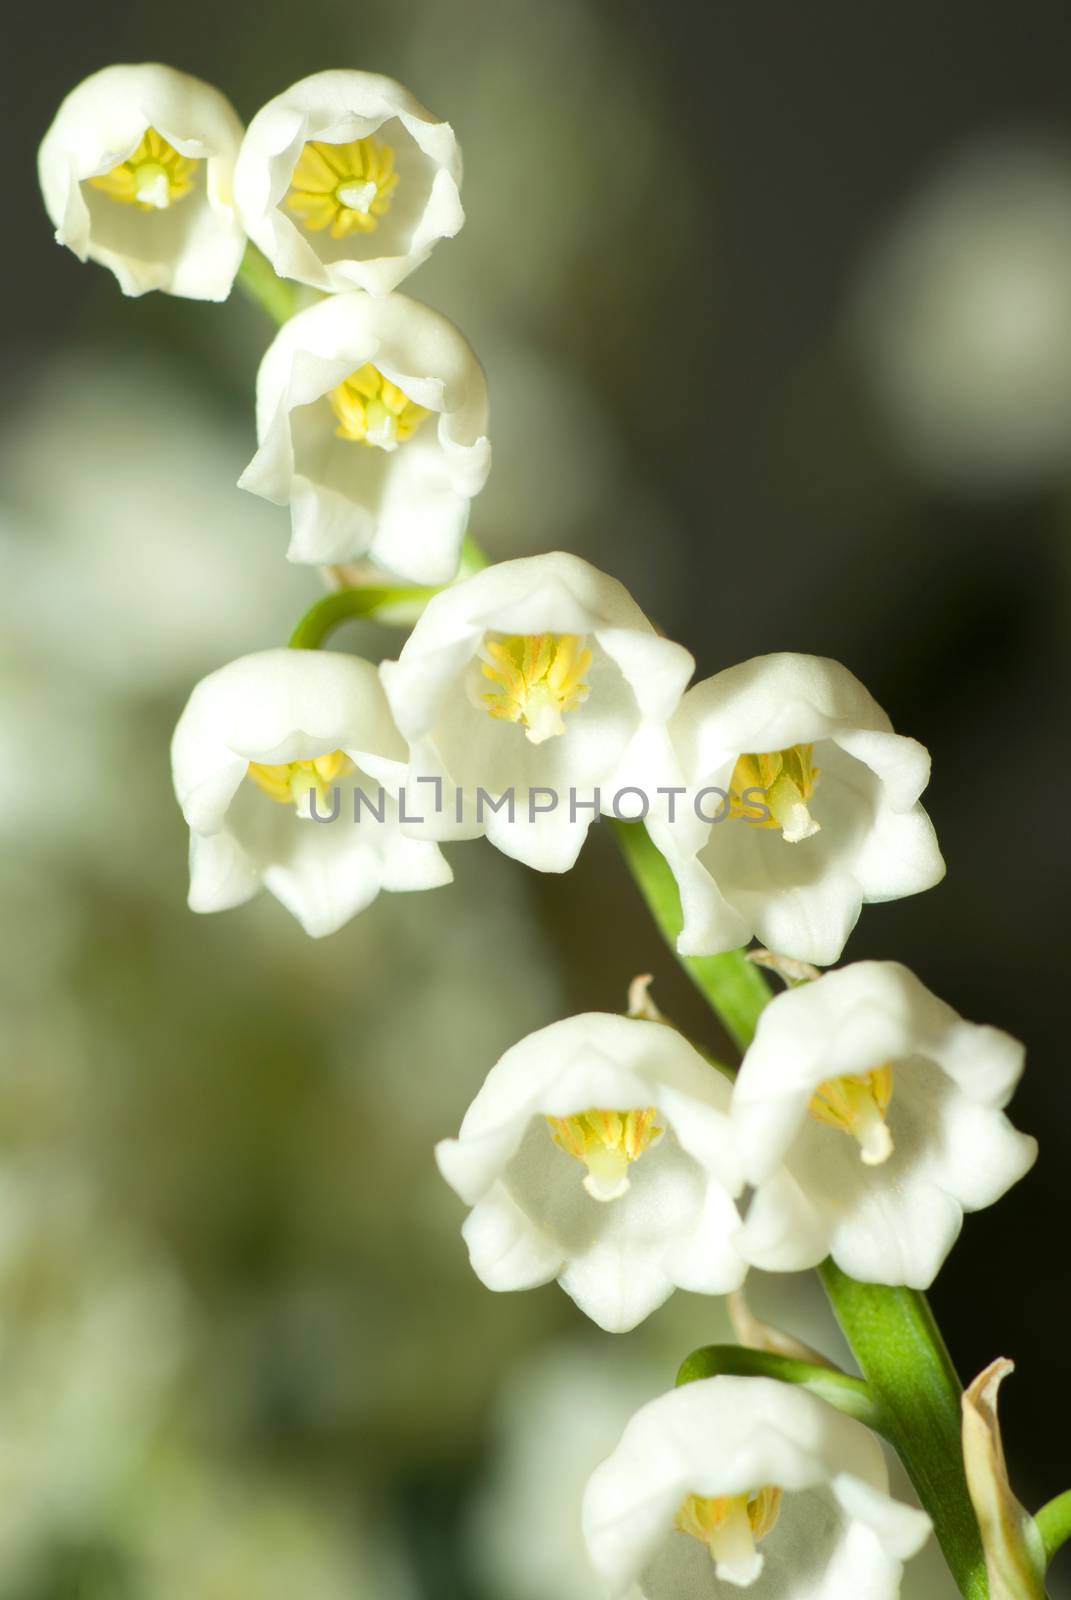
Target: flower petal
339, 107
193, 248
407, 507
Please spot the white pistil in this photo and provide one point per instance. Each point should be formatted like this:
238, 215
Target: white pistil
607, 1177
358, 196
538, 678
151, 185
872, 1132
857, 1104
787, 779
732, 1547
607, 1143
731, 1526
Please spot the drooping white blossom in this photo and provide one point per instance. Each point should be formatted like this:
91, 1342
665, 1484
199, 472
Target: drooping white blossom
869, 1118
137, 173
534, 696
268, 759
747, 1484
372, 426
345, 181
598, 1152
803, 805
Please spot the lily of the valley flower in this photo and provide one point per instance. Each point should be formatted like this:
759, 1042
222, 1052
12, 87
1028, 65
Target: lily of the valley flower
869, 1119
263, 744
745, 1483
136, 172
532, 696
346, 182
372, 426
598, 1153
816, 802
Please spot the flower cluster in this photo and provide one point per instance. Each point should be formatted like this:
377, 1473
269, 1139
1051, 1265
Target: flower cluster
865, 1119
371, 409
534, 697
344, 181
531, 698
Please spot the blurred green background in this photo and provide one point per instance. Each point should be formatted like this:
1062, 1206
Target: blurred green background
775, 303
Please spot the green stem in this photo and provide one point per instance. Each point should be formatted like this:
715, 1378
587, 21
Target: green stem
850, 1395
343, 605
901, 1354
892, 1332
1054, 1523
346, 604
261, 283
734, 987
473, 557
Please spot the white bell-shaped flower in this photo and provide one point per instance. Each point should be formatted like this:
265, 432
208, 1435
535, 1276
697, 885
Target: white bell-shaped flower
803, 805
734, 1484
534, 697
869, 1118
137, 171
372, 427
345, 181
599, 1152
286, 766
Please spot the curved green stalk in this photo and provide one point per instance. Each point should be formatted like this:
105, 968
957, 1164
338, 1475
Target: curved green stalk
901, 1354
346, 604
262, 283
473, 557
1054, 1523
373, 600
850, 1395
892, 1332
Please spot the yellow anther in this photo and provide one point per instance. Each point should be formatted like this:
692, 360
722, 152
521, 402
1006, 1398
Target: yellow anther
292, 782
731, 1526
371, 410
607, 1143
857, 1105
154, 177
539, 678
788, 779
344, 187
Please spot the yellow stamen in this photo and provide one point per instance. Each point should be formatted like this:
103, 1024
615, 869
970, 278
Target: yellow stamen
344, 187
857, 1105
154, 177
788, 779
731, 1526
371, 410
539, 678
291, 783
606, 1142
